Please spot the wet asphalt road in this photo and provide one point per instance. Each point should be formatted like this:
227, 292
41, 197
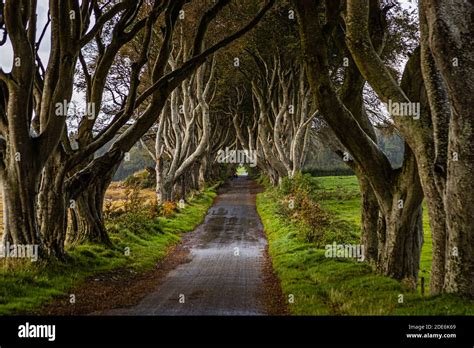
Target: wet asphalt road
224, 272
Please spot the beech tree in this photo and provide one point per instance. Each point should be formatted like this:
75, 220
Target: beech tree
432, 140
447, 65
398, 236
31, 123
426, 137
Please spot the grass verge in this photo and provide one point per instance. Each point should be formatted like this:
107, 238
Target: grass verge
26, 285
326, 286
340, 195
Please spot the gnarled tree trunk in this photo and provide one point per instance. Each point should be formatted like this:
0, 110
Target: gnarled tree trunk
20, 187
85, 216
52, 203
447, 30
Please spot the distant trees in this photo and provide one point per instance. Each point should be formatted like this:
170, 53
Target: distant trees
184, 129
282, 115
321, 160
271, 105
139, 159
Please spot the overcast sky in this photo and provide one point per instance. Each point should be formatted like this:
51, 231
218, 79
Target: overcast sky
6, 51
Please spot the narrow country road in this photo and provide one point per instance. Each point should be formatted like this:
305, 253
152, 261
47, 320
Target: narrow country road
224, 275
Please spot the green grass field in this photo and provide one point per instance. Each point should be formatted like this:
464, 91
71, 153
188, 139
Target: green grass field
26, 286
326, 286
